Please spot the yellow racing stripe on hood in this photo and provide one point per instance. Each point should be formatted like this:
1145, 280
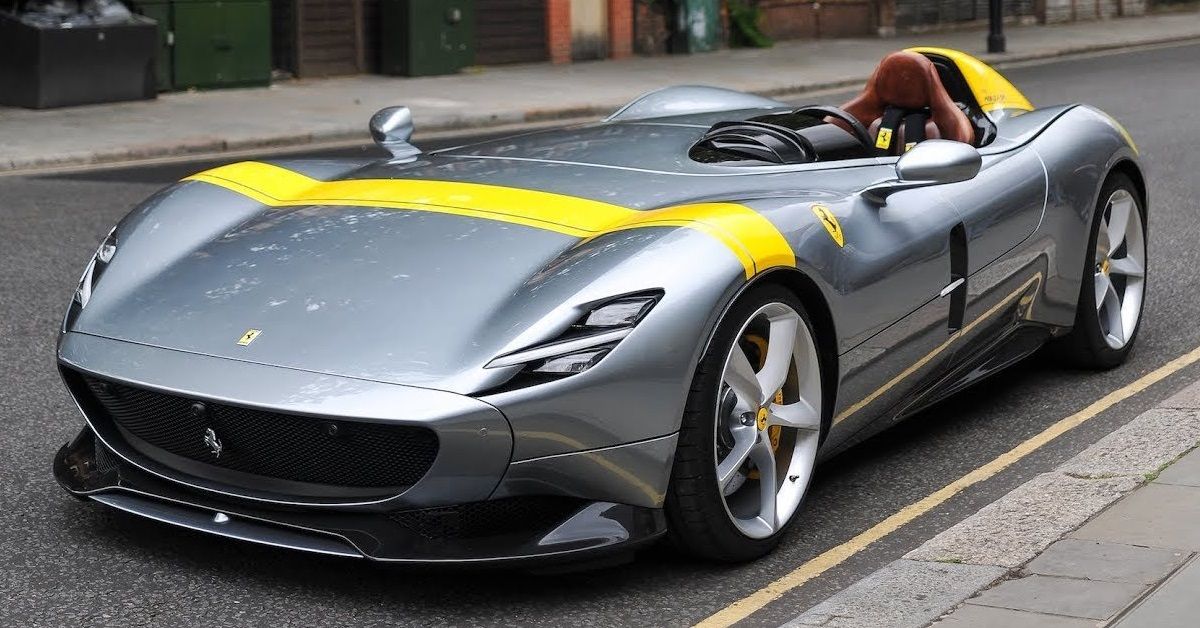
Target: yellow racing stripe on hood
755, 242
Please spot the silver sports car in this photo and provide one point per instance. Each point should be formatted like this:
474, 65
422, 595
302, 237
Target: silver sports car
573, 342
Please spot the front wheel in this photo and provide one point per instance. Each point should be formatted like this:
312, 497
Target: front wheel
749, 436
1114, 281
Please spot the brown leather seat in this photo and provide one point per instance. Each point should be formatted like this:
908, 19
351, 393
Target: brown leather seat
910, 81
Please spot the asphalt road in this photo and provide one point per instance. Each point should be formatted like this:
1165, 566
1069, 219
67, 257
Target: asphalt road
66, 562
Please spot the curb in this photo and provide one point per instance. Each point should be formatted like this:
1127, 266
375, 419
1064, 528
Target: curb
516, 120
999, 539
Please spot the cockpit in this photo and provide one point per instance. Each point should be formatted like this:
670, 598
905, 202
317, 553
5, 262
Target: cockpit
912, 96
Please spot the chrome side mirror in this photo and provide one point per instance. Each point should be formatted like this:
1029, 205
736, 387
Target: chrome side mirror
391, 128
932, 162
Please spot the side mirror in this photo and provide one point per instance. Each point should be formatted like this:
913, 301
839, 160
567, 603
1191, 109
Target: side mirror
932, 162
391, 128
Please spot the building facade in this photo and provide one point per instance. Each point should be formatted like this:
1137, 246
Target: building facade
313, 38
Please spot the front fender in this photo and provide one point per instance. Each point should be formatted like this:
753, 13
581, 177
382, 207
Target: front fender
638, 391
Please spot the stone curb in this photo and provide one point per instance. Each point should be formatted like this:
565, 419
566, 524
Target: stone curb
1000, 538
349, 133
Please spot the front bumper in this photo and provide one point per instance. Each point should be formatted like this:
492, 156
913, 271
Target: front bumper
564, 530
473, 504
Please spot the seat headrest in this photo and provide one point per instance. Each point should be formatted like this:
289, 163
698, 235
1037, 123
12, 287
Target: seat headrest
910, 81
905, 79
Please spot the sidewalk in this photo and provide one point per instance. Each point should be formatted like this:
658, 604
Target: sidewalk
303, 112
1041, 556
1137, 562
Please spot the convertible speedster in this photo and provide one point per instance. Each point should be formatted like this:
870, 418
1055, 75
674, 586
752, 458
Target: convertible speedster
573, 342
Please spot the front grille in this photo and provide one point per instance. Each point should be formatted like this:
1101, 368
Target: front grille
497, 517
270, 444
105, 460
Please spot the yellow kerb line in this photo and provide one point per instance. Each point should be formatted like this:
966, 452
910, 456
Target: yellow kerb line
833, 557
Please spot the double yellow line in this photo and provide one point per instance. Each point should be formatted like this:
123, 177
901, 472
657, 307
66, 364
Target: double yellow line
833, 557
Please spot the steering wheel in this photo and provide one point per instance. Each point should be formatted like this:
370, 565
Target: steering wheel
856, 128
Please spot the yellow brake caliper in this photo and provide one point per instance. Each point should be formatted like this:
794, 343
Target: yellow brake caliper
774, 431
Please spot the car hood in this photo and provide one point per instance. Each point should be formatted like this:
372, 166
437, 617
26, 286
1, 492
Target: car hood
390, 295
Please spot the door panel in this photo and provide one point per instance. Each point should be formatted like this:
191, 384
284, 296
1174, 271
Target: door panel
903, 261
1001, 206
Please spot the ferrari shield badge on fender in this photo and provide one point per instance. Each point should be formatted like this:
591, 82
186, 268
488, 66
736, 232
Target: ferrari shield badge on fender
831, 223
248, 337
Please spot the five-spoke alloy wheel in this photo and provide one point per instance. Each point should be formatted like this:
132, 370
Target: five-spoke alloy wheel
1120, 270
768, 420
1114, 280
748, 443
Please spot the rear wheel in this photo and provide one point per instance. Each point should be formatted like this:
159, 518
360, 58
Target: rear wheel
748, 441
1114, 282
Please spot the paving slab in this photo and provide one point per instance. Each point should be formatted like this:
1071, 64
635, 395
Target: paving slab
1158, 515
1186, 472
1174, 605
973, 616
1012, 530
905, 594
1089, 599
1110, 562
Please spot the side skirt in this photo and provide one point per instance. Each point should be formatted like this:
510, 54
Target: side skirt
1014, 346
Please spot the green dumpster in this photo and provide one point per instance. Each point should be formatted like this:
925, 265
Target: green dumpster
160, 12
211, 43
426, 37
698, 25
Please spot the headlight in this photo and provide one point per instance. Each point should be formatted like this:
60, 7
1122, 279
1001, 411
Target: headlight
587, 341
96, 267
571, 363
620, 313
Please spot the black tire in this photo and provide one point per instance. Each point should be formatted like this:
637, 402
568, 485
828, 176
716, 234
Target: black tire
1085, 347
698, 522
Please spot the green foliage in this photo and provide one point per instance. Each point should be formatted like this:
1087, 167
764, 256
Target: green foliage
744, 19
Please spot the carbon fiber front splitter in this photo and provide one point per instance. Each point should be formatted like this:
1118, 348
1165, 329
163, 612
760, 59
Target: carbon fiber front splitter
581, 532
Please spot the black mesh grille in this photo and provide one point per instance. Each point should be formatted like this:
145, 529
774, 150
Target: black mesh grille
491, 518
105, 460
270, 444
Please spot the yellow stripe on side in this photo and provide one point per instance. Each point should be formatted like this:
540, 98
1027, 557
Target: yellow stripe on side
756, 242
992, 90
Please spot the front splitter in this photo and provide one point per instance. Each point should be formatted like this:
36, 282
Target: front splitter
594, 530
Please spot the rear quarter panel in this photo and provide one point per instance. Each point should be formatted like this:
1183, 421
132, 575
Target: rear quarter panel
1080, 149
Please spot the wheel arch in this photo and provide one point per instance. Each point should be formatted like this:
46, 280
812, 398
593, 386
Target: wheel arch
1130, 169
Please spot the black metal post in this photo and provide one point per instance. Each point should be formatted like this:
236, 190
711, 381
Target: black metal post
995, 39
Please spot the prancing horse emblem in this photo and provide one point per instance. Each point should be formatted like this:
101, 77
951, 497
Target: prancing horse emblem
212, 442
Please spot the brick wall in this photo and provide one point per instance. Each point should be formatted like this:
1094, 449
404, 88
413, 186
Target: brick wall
793, 19
651, 28
558, 30
620, 28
